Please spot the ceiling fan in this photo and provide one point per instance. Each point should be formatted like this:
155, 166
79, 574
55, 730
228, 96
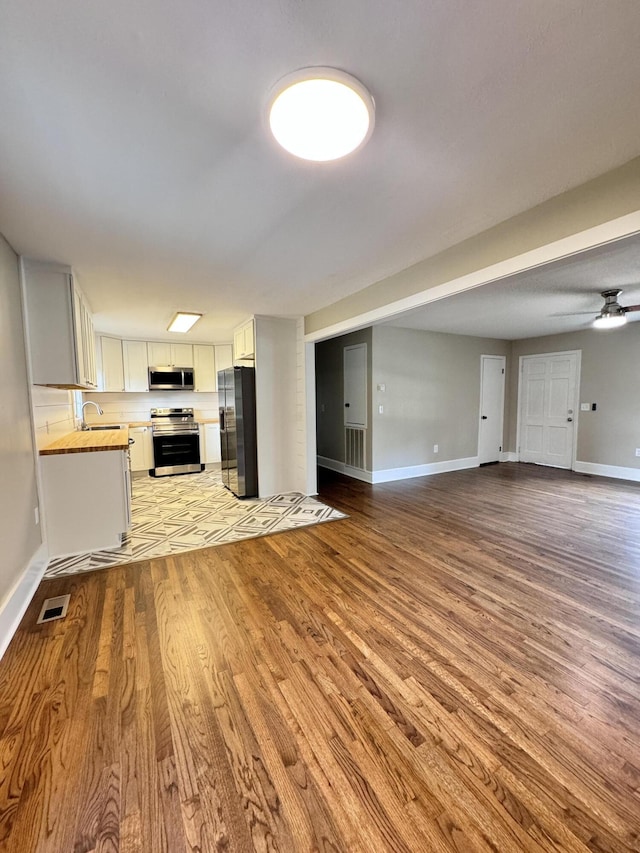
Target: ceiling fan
612, 314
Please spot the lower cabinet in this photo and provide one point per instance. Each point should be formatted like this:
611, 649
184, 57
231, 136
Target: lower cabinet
210, 444
87, 503
141, 451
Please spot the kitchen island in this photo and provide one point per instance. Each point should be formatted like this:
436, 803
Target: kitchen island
86, 487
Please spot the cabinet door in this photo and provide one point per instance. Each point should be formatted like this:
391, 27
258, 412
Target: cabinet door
204, 368
78, 331
141, 451
224, 357
238, 344
159, 354
112, 365
182, 355
212, 443
136, 369
88, 346
248, 338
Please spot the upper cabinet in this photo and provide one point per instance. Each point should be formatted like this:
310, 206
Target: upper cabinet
204, 368
136, 366
111, 373
244, 342
224, 356
59, 327
163, 354
124, 365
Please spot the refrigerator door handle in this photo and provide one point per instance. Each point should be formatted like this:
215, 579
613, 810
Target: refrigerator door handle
221, 420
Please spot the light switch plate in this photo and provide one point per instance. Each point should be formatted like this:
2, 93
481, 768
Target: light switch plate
585, 407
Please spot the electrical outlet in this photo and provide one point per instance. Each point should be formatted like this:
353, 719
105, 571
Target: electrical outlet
435, 448
637, 451
36, 514
381, 410
585, 407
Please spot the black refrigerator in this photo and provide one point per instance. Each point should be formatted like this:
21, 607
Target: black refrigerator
237, 403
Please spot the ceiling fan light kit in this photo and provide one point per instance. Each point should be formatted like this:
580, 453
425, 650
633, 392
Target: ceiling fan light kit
612, 315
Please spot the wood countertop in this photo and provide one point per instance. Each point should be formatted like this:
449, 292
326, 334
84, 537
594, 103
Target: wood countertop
88, 441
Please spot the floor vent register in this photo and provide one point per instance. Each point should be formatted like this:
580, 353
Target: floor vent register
54, 608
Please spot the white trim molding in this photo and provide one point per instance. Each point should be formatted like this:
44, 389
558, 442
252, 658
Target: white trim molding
389, 475
347, 470
618, 472
16, 603
509, 456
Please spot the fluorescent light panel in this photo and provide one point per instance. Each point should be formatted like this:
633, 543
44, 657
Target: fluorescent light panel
183, 321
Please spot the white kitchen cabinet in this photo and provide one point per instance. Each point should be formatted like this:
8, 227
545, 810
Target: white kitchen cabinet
161, 354
60, 328
112, 366
244, 342
87, 505
136, 371
224, 357
141, 451
158, 354
182, 355
210, 443
204, 368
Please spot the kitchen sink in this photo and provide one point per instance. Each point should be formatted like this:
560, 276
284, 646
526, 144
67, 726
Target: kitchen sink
92, 428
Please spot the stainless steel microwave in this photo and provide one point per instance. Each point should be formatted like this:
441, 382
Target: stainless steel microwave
171, 378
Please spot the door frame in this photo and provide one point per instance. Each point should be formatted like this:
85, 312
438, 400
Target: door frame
503, 359
576, 402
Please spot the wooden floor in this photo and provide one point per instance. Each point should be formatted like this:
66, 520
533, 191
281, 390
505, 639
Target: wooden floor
454, 667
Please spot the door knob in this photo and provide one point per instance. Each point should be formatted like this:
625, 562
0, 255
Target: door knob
569, 419
483, 417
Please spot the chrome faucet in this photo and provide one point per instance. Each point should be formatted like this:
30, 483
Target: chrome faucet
84, 424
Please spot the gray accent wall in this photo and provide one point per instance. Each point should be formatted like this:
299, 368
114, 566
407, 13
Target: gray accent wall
330, 394
431, 396
609, 377
19, 534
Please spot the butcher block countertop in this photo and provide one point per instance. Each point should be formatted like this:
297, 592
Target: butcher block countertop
88, 441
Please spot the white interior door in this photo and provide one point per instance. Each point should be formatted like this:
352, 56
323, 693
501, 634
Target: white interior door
355, 386
492, 375
547, 408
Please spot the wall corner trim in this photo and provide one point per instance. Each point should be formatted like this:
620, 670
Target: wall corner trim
16, 603
509, 456
618, 472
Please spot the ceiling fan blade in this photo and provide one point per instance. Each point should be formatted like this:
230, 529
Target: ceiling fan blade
628, 308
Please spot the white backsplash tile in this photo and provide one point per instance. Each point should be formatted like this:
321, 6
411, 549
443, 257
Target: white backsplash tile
127, 407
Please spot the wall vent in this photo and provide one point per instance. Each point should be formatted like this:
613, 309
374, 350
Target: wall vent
54, 608
354, 441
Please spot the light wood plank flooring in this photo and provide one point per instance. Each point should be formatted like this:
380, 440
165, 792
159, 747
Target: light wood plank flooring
455, 667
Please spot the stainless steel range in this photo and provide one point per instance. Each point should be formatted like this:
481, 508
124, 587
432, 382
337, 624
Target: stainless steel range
176, 442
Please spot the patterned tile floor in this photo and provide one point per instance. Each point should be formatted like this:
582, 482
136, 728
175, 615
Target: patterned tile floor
174, 514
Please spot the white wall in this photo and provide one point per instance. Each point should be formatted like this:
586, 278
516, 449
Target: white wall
279, 398
53, 413
129, 407
432, 395
19, 534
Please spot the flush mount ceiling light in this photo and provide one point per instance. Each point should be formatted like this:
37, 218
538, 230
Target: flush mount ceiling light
612, 315
183, 321
321, 114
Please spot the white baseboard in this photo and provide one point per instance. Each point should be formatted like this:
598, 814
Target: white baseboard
388, 475
509, 456
16, 603
347, 470
616, 471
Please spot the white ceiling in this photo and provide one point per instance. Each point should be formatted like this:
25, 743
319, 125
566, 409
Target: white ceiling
133, 141
560, 297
